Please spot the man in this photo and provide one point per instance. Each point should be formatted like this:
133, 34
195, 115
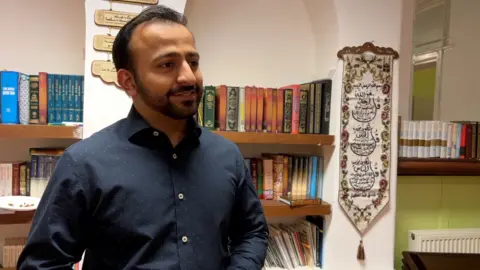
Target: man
154, 190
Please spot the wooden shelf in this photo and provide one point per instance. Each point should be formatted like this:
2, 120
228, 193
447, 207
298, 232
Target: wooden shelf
40, 132
274, 208
438, 166
19, 217
276, 138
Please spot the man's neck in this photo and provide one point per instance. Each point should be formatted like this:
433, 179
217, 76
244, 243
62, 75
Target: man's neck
174, 129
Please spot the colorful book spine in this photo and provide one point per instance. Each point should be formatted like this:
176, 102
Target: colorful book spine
9, 97
24, 99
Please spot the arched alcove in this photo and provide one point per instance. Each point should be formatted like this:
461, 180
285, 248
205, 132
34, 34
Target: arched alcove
269, 43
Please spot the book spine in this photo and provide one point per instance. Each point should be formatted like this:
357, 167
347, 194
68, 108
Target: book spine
296, 109
287, 109
232, 108
268, 179
253, 108
248, 104
23, 179
71, 98
311, 108
326, 104
221, 96
302, 125
274, 111
9, 97
77, 99
241, 110
260, 105
267, 109
58, 97
51, 98
317, 126
280, 104
16, 179
209, 108
42, 98
24, 99
253, 172
64, 94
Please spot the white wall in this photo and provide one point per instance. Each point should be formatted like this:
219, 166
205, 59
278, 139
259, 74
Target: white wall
45, 35
460, 89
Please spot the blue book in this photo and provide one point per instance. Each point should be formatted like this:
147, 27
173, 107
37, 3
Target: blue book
9, 81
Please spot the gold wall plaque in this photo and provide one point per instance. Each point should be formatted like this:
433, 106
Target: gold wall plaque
106, 71
103, 43
142, 2
113, 18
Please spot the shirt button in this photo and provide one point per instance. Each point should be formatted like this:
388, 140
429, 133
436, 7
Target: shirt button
180, 196
184, 239
155, 133
174, 156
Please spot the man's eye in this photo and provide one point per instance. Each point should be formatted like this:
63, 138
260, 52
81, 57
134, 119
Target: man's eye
167, 65
194, 63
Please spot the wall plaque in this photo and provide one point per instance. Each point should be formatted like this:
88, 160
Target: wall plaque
366, 127
106, 71
142, 2
103, 43
113, 18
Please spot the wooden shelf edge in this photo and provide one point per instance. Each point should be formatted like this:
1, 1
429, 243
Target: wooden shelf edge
274, 208
19, 217
438, 167
40, 132
277, 138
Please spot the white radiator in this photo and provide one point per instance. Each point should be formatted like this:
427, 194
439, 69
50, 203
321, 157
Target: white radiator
448, 240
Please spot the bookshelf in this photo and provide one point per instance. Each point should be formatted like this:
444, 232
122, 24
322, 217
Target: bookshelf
17, 217
272, 208
438, 167
277, 138
40, 132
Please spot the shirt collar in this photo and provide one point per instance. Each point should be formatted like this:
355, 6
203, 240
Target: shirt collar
136, 123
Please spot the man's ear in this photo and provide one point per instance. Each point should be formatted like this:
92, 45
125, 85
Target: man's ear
127, 82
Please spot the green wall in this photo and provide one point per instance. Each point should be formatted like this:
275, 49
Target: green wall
423, 93
430, 202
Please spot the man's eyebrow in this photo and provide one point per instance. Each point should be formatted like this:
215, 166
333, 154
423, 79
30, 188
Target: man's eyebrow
176, 54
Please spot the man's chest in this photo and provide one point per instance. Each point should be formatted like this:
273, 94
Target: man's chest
150, 194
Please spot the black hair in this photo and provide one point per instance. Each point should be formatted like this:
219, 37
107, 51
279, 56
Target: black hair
121, 54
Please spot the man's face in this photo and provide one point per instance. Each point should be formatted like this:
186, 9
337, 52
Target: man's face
166, 64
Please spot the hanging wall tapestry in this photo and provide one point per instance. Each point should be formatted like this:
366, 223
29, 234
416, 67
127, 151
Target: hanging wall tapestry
365, 133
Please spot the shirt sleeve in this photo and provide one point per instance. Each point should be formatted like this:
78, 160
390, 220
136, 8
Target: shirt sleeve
249, 230
58, 233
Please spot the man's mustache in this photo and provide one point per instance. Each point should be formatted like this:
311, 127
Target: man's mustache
184, 89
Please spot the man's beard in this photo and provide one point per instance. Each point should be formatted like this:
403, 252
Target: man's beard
163, 105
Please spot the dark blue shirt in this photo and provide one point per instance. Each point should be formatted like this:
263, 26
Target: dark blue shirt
133, 201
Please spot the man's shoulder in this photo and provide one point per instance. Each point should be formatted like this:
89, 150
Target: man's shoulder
99, 142
210, 137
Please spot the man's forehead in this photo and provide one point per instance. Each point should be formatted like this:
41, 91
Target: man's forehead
152, 34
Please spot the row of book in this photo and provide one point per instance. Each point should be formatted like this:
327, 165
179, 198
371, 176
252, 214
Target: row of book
41, 98
29, 178
288, 178
295, 245
297, 109
439, 139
